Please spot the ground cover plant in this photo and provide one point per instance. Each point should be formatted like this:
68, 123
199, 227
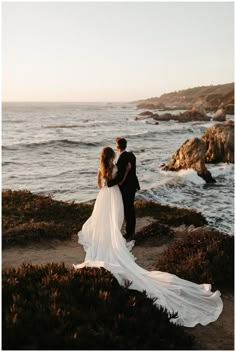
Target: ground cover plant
155, 234
27, 216
204, 256
52, 307
169, 215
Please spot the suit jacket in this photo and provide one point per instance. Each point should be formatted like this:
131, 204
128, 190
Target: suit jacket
131, 183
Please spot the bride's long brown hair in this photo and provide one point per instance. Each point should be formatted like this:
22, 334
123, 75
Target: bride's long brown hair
106, 164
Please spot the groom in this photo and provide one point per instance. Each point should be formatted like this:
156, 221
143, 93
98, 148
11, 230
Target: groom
129, 186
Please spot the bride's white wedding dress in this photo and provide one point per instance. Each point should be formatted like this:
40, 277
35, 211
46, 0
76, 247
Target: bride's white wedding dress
106, 247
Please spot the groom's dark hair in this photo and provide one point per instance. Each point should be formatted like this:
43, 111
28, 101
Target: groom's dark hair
121, 142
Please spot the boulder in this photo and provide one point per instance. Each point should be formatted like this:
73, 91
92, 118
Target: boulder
220, 114
163, 117
193, 115
200, 109
219, 141
144, 115
229, 109
186, 116
191, 155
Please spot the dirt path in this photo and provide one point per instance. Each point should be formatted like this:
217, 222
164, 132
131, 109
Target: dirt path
215, 336
69, 252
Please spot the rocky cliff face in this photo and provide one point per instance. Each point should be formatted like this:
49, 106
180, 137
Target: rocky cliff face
219, 140
210, 97
216, 145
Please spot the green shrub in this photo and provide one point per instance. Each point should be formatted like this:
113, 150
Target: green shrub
154, 234
205, 256
27, 216
169, 215
52, 307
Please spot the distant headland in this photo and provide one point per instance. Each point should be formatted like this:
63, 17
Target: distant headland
210, 97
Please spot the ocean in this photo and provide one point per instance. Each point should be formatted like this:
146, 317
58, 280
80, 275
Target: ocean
54, 148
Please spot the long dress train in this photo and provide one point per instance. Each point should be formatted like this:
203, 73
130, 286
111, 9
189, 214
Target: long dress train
106, 247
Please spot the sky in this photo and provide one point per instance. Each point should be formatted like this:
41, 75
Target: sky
113, 51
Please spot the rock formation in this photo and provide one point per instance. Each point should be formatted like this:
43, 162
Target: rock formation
143, 115
216, 145
191, 155
230, 109
208, 96
220, 114
189, 115
219, 141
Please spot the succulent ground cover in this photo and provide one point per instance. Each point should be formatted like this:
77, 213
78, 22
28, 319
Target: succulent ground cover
204, 256
52, 307
28, 217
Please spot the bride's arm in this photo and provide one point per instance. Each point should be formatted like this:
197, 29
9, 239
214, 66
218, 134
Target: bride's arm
128, 167
99, 179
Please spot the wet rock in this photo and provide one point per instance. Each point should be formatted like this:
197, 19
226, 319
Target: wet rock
220, 114
189, 115
191, 155
193, 115
229, 109
144, 115
207, 176
163, 117
200, 109
219, 141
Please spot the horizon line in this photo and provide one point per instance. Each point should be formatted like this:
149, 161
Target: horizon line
111, 101
65, 101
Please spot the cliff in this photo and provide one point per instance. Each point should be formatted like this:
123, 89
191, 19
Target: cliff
208, 96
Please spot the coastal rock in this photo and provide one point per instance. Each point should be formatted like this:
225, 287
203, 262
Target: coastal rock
163, 117
200, 109
209, 96
191, 155
194, 115
220, 114
189, 115
219, 141
229, 109
144, 115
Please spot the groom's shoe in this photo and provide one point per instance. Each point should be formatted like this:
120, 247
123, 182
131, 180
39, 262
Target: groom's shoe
128, 236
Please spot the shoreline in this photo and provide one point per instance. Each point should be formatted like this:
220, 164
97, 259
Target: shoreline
218, 335
148, 249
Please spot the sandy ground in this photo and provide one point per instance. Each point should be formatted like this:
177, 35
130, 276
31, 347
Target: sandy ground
215, 336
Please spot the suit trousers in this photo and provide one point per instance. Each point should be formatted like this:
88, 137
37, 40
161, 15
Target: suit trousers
129, 212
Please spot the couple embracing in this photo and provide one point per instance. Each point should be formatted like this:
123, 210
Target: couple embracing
106, 247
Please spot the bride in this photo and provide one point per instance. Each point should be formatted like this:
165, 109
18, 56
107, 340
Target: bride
105, 247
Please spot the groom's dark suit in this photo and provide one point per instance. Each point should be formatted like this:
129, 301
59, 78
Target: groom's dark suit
128, 188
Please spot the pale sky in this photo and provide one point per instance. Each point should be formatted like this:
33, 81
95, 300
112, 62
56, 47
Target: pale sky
113, 51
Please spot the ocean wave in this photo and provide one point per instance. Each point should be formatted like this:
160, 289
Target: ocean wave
188, 175
6, 121
4, 163
63, 126
142, 134
221, 169
57, 142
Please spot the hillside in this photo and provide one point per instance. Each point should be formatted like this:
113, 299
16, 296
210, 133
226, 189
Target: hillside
210, 96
